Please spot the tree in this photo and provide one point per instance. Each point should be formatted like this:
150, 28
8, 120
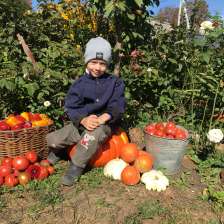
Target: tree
197, 12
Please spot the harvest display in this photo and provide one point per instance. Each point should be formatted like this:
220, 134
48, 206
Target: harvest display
24, 120
133, 166
166, 130
24, 168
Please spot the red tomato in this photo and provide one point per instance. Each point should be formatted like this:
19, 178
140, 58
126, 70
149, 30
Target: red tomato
20, 163
150, 129
11, 180
15, 172
43, 173
7, 161
5, 171
170, 124
50, 169
31, 156
180, 134
1, 180
159, 133
170, 136
160, 126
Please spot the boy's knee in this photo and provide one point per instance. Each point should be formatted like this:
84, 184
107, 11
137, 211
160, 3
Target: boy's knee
101, 133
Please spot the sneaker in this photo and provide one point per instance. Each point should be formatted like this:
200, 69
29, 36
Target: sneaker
72, 174
52, 158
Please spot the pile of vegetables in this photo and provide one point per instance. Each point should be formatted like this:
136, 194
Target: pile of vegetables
24, 120
133, 166
166, 130
23, 168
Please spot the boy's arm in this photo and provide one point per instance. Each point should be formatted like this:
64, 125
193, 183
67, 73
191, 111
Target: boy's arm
116, 105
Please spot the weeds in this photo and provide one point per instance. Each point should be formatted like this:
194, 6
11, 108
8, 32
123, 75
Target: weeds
147, 210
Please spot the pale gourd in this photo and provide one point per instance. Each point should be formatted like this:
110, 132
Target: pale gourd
114, 168
155, 180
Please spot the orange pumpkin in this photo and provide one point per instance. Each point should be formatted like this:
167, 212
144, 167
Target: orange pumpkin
129, 152
108, 151
144, 163
130, 175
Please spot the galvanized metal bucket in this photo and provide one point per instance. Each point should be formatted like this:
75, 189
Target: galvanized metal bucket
168, 153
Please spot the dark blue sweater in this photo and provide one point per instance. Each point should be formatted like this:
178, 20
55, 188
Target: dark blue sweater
90, 95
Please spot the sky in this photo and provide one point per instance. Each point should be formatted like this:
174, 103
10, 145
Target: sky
214, 5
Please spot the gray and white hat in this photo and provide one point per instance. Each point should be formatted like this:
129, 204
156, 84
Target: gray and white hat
98, 48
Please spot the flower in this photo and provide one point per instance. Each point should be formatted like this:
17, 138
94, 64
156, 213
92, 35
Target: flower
34, 171
215, 135
149, 70
206, 25
47, 103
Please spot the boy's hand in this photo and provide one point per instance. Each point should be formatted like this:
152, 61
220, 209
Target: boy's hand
91, 122
104, 118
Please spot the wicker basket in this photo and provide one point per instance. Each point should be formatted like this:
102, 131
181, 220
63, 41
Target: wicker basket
18, 142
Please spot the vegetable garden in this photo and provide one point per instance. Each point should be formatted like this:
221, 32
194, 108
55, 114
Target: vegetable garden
174, 76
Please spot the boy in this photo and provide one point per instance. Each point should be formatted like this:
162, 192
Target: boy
94, 103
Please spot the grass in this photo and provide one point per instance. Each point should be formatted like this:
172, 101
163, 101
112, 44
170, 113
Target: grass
146, 210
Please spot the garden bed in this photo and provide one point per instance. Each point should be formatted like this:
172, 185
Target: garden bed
96, 199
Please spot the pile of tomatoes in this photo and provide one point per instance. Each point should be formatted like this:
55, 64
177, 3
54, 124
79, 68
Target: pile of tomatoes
166, 130
24, 168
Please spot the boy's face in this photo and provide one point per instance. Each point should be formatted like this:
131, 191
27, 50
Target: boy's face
96, 67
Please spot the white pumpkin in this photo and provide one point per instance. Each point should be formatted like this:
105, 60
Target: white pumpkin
114, 168
215, 135
155, 180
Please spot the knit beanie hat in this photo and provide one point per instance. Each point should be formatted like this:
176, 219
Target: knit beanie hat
98, 48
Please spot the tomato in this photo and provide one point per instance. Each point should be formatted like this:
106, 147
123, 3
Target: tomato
45, 163
15, 172
7, 161
31, 156
180, 134
20, 163
170, 124
170, 128
5, 170
170, 136
43, 173
50, 169
11, 180
160, 126
24, 178
159, 133
1, 180
150, 129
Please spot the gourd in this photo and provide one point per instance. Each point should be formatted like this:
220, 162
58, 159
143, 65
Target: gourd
155, 180
130, 175
114, 168
215, 135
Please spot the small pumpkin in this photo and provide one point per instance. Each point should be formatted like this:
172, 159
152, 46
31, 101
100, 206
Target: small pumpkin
114, 168
155, 180
130, 175
144, 163
129, 152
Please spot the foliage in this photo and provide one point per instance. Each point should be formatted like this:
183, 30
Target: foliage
197, 12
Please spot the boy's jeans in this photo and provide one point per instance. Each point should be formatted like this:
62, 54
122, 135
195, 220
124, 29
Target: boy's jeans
87, 143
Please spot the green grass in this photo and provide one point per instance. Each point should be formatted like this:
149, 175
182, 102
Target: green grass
146, 210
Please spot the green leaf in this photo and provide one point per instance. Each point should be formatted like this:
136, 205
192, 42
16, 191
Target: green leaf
131, 16
139, 2
109, 8
172, 60
31, 88
121, 6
